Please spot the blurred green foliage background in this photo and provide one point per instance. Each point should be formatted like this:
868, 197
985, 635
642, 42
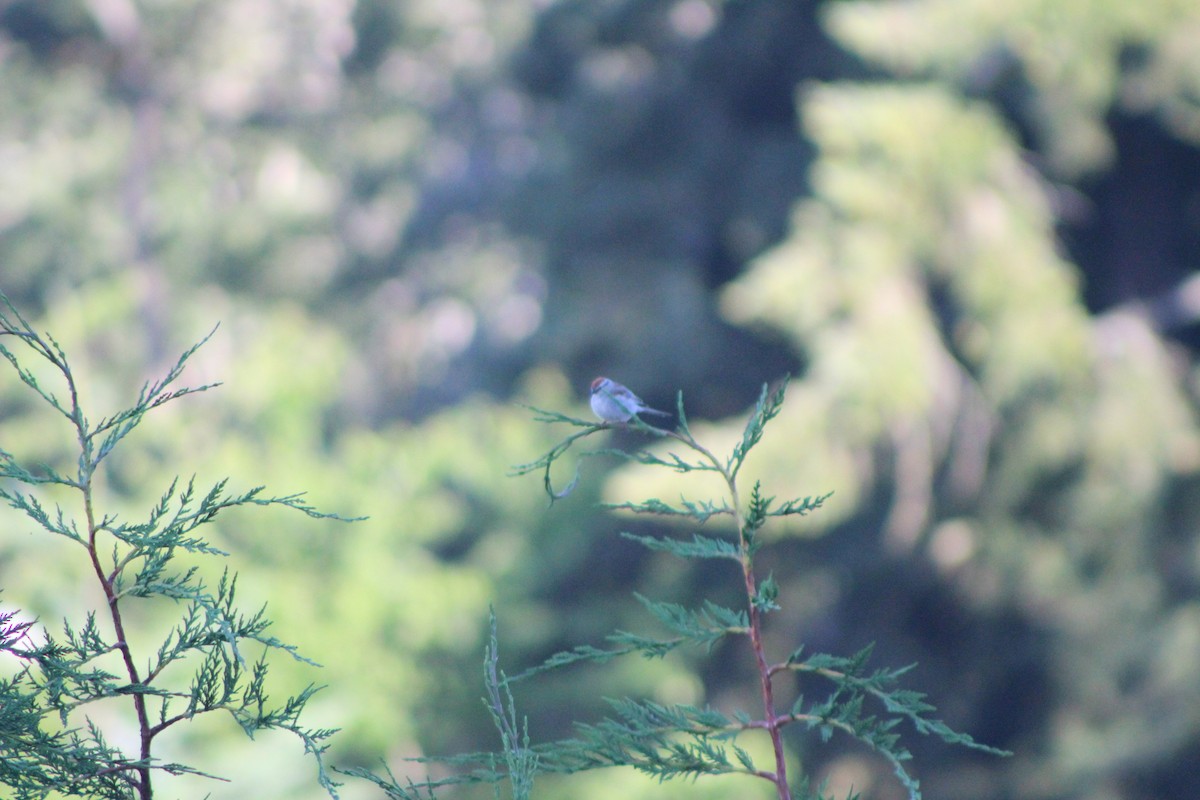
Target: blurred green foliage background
970, 230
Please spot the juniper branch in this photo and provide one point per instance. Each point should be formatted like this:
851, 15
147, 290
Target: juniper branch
671, 741
129, 560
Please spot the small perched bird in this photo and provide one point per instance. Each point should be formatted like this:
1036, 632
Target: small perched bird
612, 402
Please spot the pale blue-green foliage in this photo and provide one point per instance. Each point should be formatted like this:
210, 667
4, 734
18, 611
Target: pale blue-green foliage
680, 740
57, 740
376, 587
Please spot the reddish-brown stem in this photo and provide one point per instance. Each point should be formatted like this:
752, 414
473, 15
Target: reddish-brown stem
764, 675
772, 723
112, 601
114, 612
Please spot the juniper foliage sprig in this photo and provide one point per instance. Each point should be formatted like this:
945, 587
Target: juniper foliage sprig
49, 743
517, 763
686, 741
521, 760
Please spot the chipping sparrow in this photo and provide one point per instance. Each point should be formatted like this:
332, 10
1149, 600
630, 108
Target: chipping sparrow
612, 402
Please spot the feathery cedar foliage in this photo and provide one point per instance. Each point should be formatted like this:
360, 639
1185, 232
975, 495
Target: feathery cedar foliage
670, 741
49, 742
